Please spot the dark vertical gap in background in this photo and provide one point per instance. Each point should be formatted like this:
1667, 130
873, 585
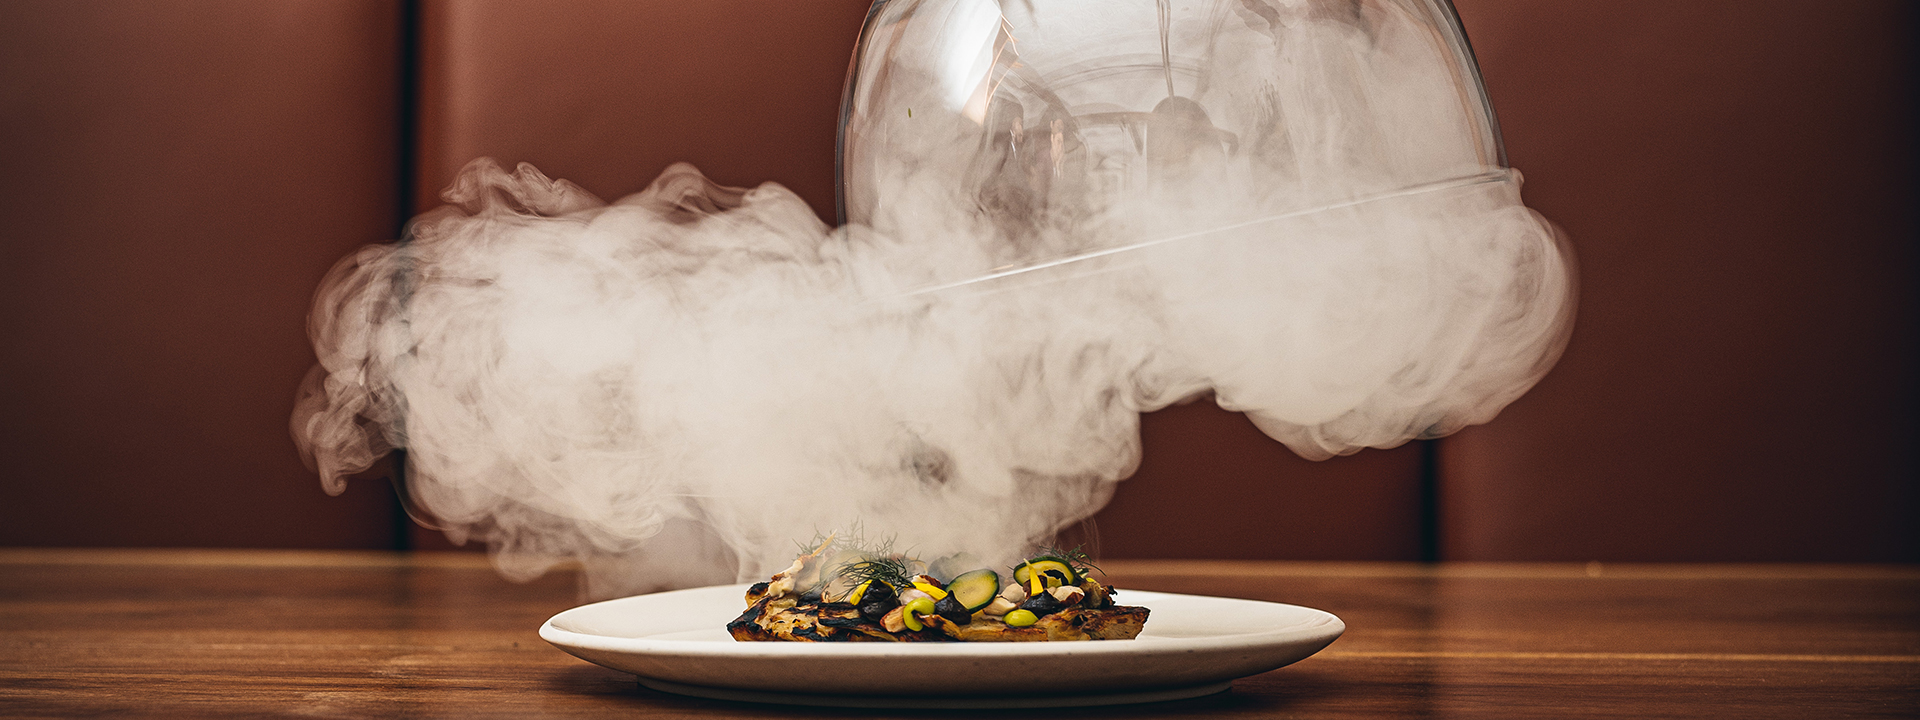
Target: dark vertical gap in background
1910, 108
1429, 507
406, 170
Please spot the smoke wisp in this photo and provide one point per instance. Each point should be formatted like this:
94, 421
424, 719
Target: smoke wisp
674, 387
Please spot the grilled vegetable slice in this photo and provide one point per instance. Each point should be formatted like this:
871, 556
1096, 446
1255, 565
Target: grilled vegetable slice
974, 589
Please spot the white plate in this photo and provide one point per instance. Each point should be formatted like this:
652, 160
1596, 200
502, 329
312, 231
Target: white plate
1192, 645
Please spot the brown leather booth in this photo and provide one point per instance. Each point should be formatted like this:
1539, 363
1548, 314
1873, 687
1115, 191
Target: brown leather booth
176, 177
1736, 177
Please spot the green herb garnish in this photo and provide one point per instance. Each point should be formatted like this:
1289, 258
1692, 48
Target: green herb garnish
895, 570
819, 542
1076, 558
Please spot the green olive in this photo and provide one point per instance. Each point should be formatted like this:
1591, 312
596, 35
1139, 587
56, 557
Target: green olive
1021, 618
922, 606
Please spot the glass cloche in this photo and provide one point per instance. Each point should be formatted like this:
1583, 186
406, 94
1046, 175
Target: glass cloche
1312, 193
1046, 116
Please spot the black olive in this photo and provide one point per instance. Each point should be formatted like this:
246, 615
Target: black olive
879, 599
877, 609
1042, 605
878, 590
950, 608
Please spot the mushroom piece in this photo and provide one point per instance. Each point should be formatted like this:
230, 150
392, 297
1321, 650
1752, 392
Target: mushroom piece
907, 596
1014, 593
1000, 606
1068, 595
783, 581
895, 621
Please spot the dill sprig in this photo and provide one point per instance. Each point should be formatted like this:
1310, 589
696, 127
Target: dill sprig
895, 570
863, 560
819, 541
852, 538
1076, 557
876, 560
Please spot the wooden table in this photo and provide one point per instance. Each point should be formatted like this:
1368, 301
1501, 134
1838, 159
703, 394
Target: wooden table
335, 634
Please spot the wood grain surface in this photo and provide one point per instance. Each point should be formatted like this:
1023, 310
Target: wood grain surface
351, 634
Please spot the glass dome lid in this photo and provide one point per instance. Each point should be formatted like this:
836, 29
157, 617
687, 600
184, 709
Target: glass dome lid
1070, 129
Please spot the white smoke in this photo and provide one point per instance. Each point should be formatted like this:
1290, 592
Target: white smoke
676, 387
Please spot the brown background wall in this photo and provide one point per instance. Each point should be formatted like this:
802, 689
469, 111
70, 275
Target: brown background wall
1736, 176
176, 177
1738, 180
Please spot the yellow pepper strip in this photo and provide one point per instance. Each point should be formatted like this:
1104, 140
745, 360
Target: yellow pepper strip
859, 592
933, 590
1034, 582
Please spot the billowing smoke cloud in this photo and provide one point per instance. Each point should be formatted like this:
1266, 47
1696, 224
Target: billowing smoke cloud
675, 387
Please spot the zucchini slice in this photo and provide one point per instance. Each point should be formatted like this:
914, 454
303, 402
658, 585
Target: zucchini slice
1053, 571
975, 588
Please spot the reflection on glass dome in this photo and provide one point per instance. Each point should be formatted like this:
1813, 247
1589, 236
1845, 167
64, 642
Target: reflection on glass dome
1047, 118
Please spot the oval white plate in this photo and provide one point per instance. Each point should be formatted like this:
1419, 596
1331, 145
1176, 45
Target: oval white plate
1192, 645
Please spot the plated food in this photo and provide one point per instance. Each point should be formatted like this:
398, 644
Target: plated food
846, 593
